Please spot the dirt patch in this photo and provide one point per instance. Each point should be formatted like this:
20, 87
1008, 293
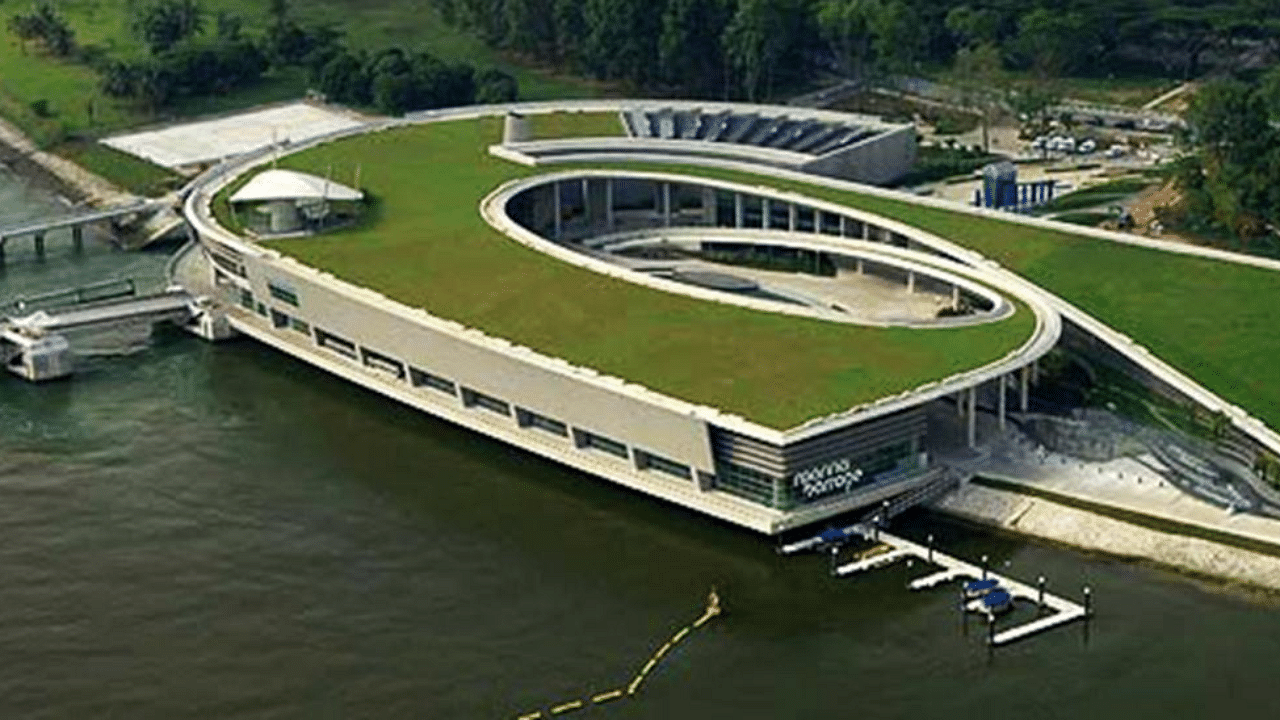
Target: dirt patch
1143, 210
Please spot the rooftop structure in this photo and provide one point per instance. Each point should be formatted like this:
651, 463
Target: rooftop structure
744, 339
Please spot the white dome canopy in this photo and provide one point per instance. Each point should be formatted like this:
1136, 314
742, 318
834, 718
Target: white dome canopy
293, 185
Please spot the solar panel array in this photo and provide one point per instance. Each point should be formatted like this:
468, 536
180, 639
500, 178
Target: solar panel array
804, 135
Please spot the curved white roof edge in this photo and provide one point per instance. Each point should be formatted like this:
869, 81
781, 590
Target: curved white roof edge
493, 209
201, 190
915, 261
794, 112
541, 151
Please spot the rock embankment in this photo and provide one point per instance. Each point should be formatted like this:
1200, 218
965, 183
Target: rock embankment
1049, 520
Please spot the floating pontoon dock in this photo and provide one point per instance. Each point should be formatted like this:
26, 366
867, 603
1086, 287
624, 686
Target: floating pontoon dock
1063, 611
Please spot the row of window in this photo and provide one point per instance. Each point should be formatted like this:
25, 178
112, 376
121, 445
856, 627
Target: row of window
470, 397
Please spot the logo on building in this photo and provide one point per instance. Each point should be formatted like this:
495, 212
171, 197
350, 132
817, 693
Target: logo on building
827, 478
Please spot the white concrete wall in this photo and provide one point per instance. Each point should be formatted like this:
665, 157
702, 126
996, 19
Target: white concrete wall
449, 352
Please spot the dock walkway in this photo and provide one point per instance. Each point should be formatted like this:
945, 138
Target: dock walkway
1062, 611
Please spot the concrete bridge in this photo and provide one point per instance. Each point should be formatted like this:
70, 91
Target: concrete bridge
37, 229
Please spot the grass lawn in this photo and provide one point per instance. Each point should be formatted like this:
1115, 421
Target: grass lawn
133, 174
547, 126
428, 247
1212, 320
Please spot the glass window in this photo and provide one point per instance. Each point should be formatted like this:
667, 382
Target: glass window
541, 422
421, 378
340, 345
649, 461
591, 441
283, 293
745, 483
383, 363
471, 398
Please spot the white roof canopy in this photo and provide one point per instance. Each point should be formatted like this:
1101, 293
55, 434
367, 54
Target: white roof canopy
292, 185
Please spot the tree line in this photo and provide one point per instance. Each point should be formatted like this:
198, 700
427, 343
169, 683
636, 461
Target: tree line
754, 48
1230, 177
189, 53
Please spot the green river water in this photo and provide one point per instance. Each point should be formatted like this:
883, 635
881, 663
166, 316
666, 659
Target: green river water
218, 531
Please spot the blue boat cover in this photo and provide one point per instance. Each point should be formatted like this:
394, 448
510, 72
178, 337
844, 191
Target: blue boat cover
832, 535
996, 598
987, 584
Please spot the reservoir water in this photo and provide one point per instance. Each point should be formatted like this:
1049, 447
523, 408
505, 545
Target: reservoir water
218, 531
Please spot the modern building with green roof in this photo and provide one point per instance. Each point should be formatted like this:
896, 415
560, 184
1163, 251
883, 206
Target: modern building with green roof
698, 301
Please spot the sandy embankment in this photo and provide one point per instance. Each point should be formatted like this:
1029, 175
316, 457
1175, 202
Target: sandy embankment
1045, 519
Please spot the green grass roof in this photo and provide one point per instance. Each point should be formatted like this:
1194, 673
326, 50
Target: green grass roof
1213, 320
426, 245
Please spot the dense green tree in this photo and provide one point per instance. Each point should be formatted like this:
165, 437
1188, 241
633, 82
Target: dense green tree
690, 56
46, 24
899, 36
1230, 181
753, 43
973, 26
344, 79
494, 86
164, 23
1055, 42
570, 30
846, 25
621, 39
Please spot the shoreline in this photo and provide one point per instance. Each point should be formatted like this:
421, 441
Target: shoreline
53, 173
1042, 518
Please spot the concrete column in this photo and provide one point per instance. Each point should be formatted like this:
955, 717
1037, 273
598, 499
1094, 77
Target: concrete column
1025, 381
911, 281
960, 404
1000, 402
555, 205
955, 296
39, 239
1035, 373
764, 213
973, 417
587, 215
737, 210
666, 204
608, 203
709, 210
859, 266
793, 217
844, 225
817, 221
866, 230
77, 237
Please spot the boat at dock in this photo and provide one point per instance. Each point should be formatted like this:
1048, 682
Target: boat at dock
980, 588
